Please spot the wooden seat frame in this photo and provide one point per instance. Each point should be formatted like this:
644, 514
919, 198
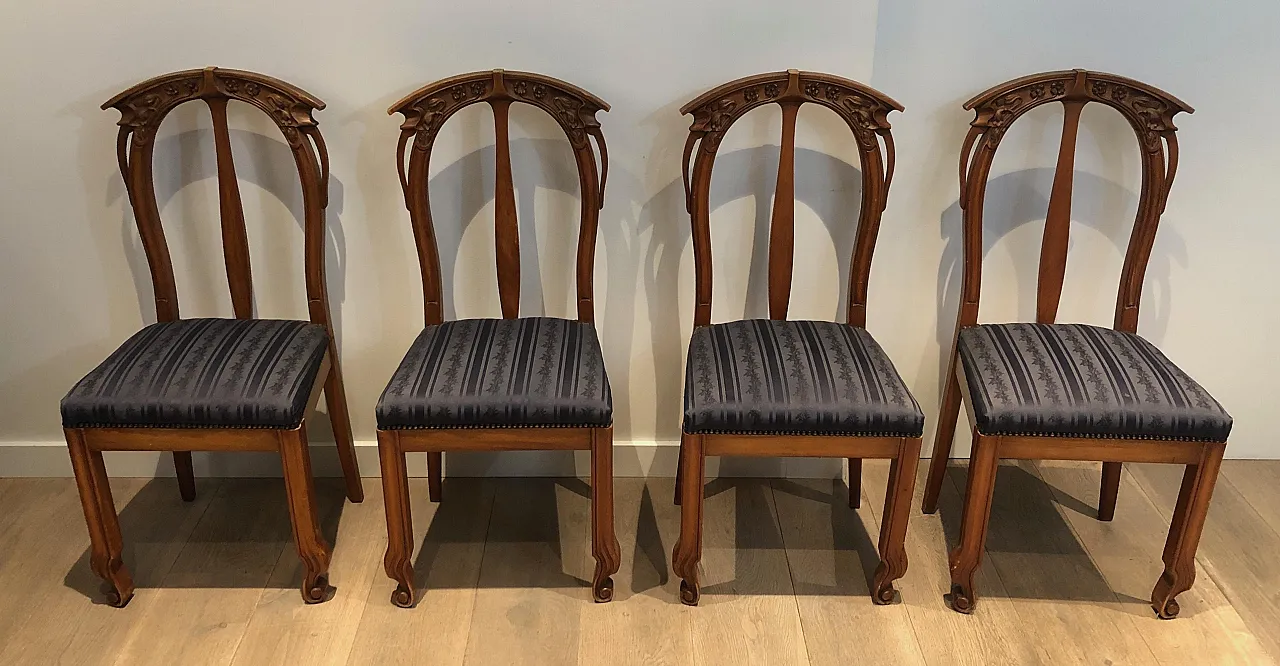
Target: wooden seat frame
425, 111
142, 109
1150, 111
865, 110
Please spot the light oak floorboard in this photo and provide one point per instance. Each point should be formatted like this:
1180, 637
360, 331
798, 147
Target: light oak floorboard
1238, 549
748, 612
645, 623
831, 550
1127, 553
206, 600
284, 631
71, 619
534, 578
451, 543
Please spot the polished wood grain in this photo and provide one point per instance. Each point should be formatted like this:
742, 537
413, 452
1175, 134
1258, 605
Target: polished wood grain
1150, 112
142, 109
865, 110
425, 112
786, 573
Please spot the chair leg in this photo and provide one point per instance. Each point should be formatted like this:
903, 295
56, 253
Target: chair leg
855, 483
299, 485
966, 557
604, 541
186, 475
680, 469
1184, 532
688, 550
435, 475
397, 561
106, 557
948, 414
1110, 490
897, 511
335, 397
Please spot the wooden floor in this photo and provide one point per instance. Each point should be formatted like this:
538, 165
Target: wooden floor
505, 565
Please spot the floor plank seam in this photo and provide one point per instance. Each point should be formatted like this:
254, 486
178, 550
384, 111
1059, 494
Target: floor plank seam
484, 548
791, 575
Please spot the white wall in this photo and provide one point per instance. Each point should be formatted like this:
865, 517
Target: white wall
75, 281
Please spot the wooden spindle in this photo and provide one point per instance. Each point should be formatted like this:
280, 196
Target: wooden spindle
1057, 224
782, 225
506, 230
235, 240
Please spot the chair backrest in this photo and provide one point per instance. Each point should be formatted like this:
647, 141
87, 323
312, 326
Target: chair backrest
1148, 109
863, 108
574, 109
144, 106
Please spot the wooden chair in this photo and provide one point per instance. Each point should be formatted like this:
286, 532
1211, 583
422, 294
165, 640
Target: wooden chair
498, 384
240, 384
1072, 391
772, 387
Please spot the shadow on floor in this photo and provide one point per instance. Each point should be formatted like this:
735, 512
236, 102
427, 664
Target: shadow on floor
240, 534
1031, 547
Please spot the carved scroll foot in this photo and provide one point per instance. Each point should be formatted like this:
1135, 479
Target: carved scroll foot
316, 588
689, 592
963, 600
404, 597
882, 592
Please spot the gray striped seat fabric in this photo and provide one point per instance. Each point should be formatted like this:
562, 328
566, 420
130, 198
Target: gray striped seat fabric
1074, 380
762, 376
210, 373
500, 373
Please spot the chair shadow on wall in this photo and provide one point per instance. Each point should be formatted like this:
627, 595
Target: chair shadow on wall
1026, 523
236, 534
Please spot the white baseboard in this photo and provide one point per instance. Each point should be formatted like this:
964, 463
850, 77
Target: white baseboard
630, 459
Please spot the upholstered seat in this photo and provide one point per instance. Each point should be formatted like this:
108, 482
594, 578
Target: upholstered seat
213, 373
794, 377
1082, 381
500, 373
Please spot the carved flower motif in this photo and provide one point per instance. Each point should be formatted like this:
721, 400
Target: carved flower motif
1037, 91
771, 90
252, 89
1058, 87
477, 89
812, 89
192, 87
1099, 88
233, 85
539, 91
751, 94
457, 93
171, 90
833, 93
1118, 93
522, 88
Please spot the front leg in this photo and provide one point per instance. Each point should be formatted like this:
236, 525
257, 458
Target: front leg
398, 561
1184, 532
965, 558
604, 540
106, 557
688, 550
300, 487
897, 511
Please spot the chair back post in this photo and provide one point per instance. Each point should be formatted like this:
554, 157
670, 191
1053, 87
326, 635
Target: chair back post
1150, 112
864, 109
144, 107
425, 112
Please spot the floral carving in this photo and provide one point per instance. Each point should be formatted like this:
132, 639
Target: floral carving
1058, 88
1037, 91
458, 93
568, 109
171, 90
1118, 93
522, 88
771, 90
232, 85
1004, 110
812, 89
1150, 114
833, 93
252, 88
539, 91
751, 94
1099, 88
477, 89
